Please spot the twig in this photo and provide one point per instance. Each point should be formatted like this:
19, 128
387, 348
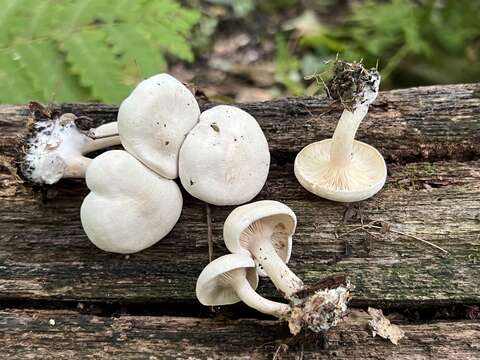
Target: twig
371, 225
413, 237
209, 233
301, 353
280, 347
357, 228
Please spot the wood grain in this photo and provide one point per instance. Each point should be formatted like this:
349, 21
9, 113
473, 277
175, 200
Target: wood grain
44, 253
429, 123
57, 334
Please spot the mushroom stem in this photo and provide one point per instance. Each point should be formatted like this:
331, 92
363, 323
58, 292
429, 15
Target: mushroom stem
341, 152
76, 167
100, 143
282, 277
238, 280
106, 130
104, 136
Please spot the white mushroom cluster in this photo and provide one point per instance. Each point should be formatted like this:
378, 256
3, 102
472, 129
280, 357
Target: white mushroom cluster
221, 155
259, 235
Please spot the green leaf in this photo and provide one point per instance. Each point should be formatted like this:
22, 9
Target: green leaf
96, 65
133, 47
46, 68
70, 50
15, 87
9, 10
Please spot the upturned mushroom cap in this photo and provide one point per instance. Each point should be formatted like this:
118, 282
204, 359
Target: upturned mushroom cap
154, 120
364, 177
213, 290
129, 207
278, 217
225, 158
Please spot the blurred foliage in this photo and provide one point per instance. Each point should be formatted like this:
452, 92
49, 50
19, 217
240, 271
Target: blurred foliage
287, 68
97, 50
240, 7
416, 42
74, 50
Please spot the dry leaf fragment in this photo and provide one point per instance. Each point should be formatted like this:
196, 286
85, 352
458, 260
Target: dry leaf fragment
381, 325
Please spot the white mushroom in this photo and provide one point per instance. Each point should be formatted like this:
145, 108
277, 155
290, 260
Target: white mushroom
341, 168
154, 120
232, 278
225, 158
56, 149
129, 207
264, 230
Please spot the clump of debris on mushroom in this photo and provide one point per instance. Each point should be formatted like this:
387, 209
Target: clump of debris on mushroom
56, 145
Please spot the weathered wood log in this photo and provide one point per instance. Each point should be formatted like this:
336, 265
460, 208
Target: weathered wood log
60, 334
429, 123
44, 253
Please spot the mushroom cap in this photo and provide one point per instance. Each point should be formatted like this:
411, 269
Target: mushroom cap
129, 207
364, 177
212, 290
154, 120
225, 158
274, 214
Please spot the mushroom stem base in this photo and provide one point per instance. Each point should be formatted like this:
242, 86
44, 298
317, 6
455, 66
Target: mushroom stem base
320, 311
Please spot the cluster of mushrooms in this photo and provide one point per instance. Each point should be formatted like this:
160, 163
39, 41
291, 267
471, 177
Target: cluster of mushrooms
222, 158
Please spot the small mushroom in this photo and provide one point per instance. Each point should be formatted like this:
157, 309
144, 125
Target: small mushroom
55, 149
129, 207
343, 169
224, 160
233, 278
153, 121
264, 230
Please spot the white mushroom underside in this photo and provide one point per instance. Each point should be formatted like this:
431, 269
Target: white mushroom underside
271, 228
365, 174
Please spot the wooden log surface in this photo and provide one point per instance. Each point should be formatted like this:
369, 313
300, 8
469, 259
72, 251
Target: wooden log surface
60, 334
431, 140
44, 253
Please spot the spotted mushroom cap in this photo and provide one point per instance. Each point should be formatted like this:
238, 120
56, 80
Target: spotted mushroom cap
154, 120
225, 158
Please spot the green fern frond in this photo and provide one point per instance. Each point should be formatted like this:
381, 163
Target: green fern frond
96, 65
74, 50
49, 72
15, 87
8, 13
132, 47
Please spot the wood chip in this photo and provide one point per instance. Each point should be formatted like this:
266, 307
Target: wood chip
381, 326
